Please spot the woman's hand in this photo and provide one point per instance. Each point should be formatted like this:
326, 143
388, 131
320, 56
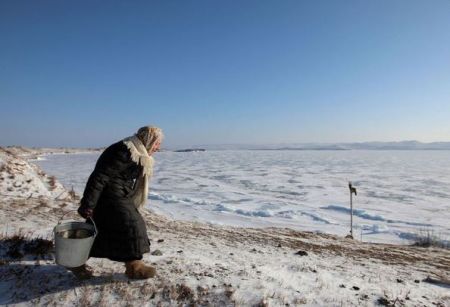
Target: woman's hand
85, 212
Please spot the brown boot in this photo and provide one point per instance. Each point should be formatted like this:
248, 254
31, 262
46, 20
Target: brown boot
82, 272
136, 269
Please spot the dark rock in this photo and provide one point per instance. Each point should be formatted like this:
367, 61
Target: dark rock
179, 252
341, 286
399, 281
383, 301
301, 253
355, 288
184, 293
279, 245
160, 240
157, 253
417, 281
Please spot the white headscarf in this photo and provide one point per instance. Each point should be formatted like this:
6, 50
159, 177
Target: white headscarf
139, 145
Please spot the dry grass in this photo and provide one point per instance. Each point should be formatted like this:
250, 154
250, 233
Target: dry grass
438, 258
390, 300
52, 182
427, 238
85, 296
18, 245
42, 203
73, 195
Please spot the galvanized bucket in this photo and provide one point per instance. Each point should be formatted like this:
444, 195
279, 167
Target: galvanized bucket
73, 242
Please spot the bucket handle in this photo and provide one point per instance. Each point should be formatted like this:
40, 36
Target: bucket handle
61, 218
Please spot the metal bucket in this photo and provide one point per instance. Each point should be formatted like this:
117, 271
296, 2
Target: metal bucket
73, 242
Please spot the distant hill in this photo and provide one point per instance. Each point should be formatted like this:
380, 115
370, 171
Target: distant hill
190, 150
401, 145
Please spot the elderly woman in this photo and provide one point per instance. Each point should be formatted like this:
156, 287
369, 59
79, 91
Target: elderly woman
115, 191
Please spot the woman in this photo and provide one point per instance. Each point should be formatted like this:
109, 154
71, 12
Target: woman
115, 191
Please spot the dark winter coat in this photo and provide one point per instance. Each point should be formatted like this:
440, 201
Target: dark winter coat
122, 234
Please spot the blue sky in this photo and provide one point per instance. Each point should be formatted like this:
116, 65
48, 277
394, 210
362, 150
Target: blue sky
88, 73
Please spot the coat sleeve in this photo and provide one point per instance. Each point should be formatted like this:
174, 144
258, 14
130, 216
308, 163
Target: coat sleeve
109, 165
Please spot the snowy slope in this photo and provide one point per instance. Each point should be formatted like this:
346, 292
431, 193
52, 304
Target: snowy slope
18, 178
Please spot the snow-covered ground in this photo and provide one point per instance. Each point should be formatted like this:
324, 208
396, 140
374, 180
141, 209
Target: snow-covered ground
401, 194
212, 265
18, 178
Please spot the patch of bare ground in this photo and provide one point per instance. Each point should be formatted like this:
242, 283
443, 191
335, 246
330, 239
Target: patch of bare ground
436, 259
17, 245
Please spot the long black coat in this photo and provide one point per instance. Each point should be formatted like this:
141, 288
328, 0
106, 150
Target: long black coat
122, 234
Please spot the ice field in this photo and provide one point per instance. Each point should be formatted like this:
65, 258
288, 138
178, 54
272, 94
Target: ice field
401, 194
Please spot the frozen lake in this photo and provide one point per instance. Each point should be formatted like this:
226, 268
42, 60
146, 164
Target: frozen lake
400, 193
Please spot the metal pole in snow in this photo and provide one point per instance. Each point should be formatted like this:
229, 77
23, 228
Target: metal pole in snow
352, 190
351, 211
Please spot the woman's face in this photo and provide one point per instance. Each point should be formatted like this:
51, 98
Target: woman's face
155, 147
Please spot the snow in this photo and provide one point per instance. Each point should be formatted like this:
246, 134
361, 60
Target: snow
208, 264
21, 179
